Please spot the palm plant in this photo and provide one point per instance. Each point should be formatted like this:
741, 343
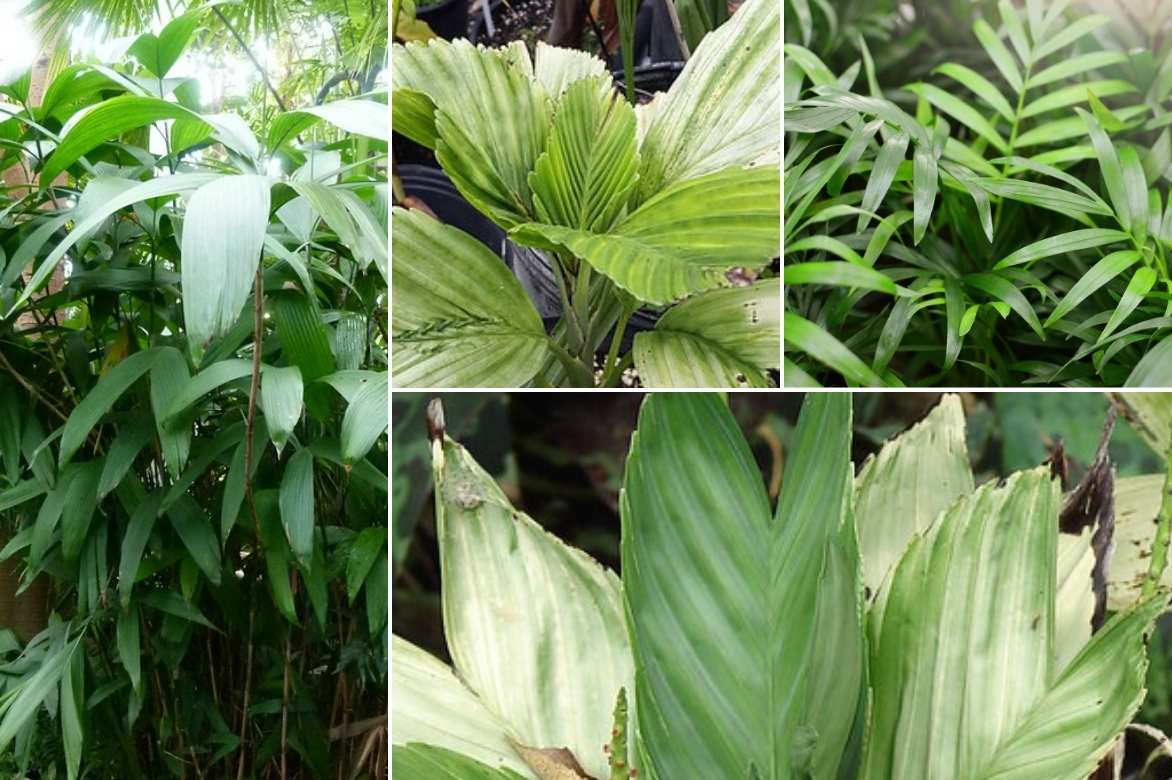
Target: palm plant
1031, 204
634, 206
190, 427
898, 622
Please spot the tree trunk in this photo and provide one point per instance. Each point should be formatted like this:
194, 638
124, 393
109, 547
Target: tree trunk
26, 614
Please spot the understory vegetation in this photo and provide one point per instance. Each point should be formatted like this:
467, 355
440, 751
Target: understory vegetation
977, 193
193, 397
810, 600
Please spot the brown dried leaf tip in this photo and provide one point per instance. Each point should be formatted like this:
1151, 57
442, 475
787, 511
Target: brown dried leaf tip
436, 427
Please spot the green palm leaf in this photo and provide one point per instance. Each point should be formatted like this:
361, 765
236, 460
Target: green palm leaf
459, 316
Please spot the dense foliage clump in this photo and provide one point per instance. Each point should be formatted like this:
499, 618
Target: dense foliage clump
1002, 219
193, 403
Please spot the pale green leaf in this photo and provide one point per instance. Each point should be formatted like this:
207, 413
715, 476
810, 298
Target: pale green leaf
280, 400
998, 54
979, 85
1141, 284
685, 239
535, 628
962, 112
431, 705
491, 118
1110, 167
887, 163
585, 176
459, 318
207, 380
982, 653
105, 121
900, 490
723, 338
223, 232
724, 110
365, 419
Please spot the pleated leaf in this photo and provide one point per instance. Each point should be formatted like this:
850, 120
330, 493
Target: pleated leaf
556, 68
723, 338
1137, 504
965, 651
418, 761
589, 166
1075, 599
1070, 730
901, 489
491, 119
722, 598
685, 239
724, 110
459, 318
535, 628
431, 705
223, 232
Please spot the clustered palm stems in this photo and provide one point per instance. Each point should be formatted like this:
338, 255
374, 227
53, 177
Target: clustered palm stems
898, 621
1004, 221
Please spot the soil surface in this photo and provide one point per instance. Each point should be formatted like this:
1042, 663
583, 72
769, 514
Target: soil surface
515, 20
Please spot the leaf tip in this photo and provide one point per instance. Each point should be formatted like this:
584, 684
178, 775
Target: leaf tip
436, 426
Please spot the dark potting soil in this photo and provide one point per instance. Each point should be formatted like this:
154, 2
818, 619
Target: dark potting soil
515, 20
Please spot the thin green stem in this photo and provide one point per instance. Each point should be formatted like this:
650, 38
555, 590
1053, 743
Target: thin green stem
580, 374
1012, 141
1159, 560
582, 310
609, 368
574, 329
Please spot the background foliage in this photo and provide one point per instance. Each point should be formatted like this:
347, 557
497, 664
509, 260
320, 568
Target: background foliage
193, 405
984, 200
